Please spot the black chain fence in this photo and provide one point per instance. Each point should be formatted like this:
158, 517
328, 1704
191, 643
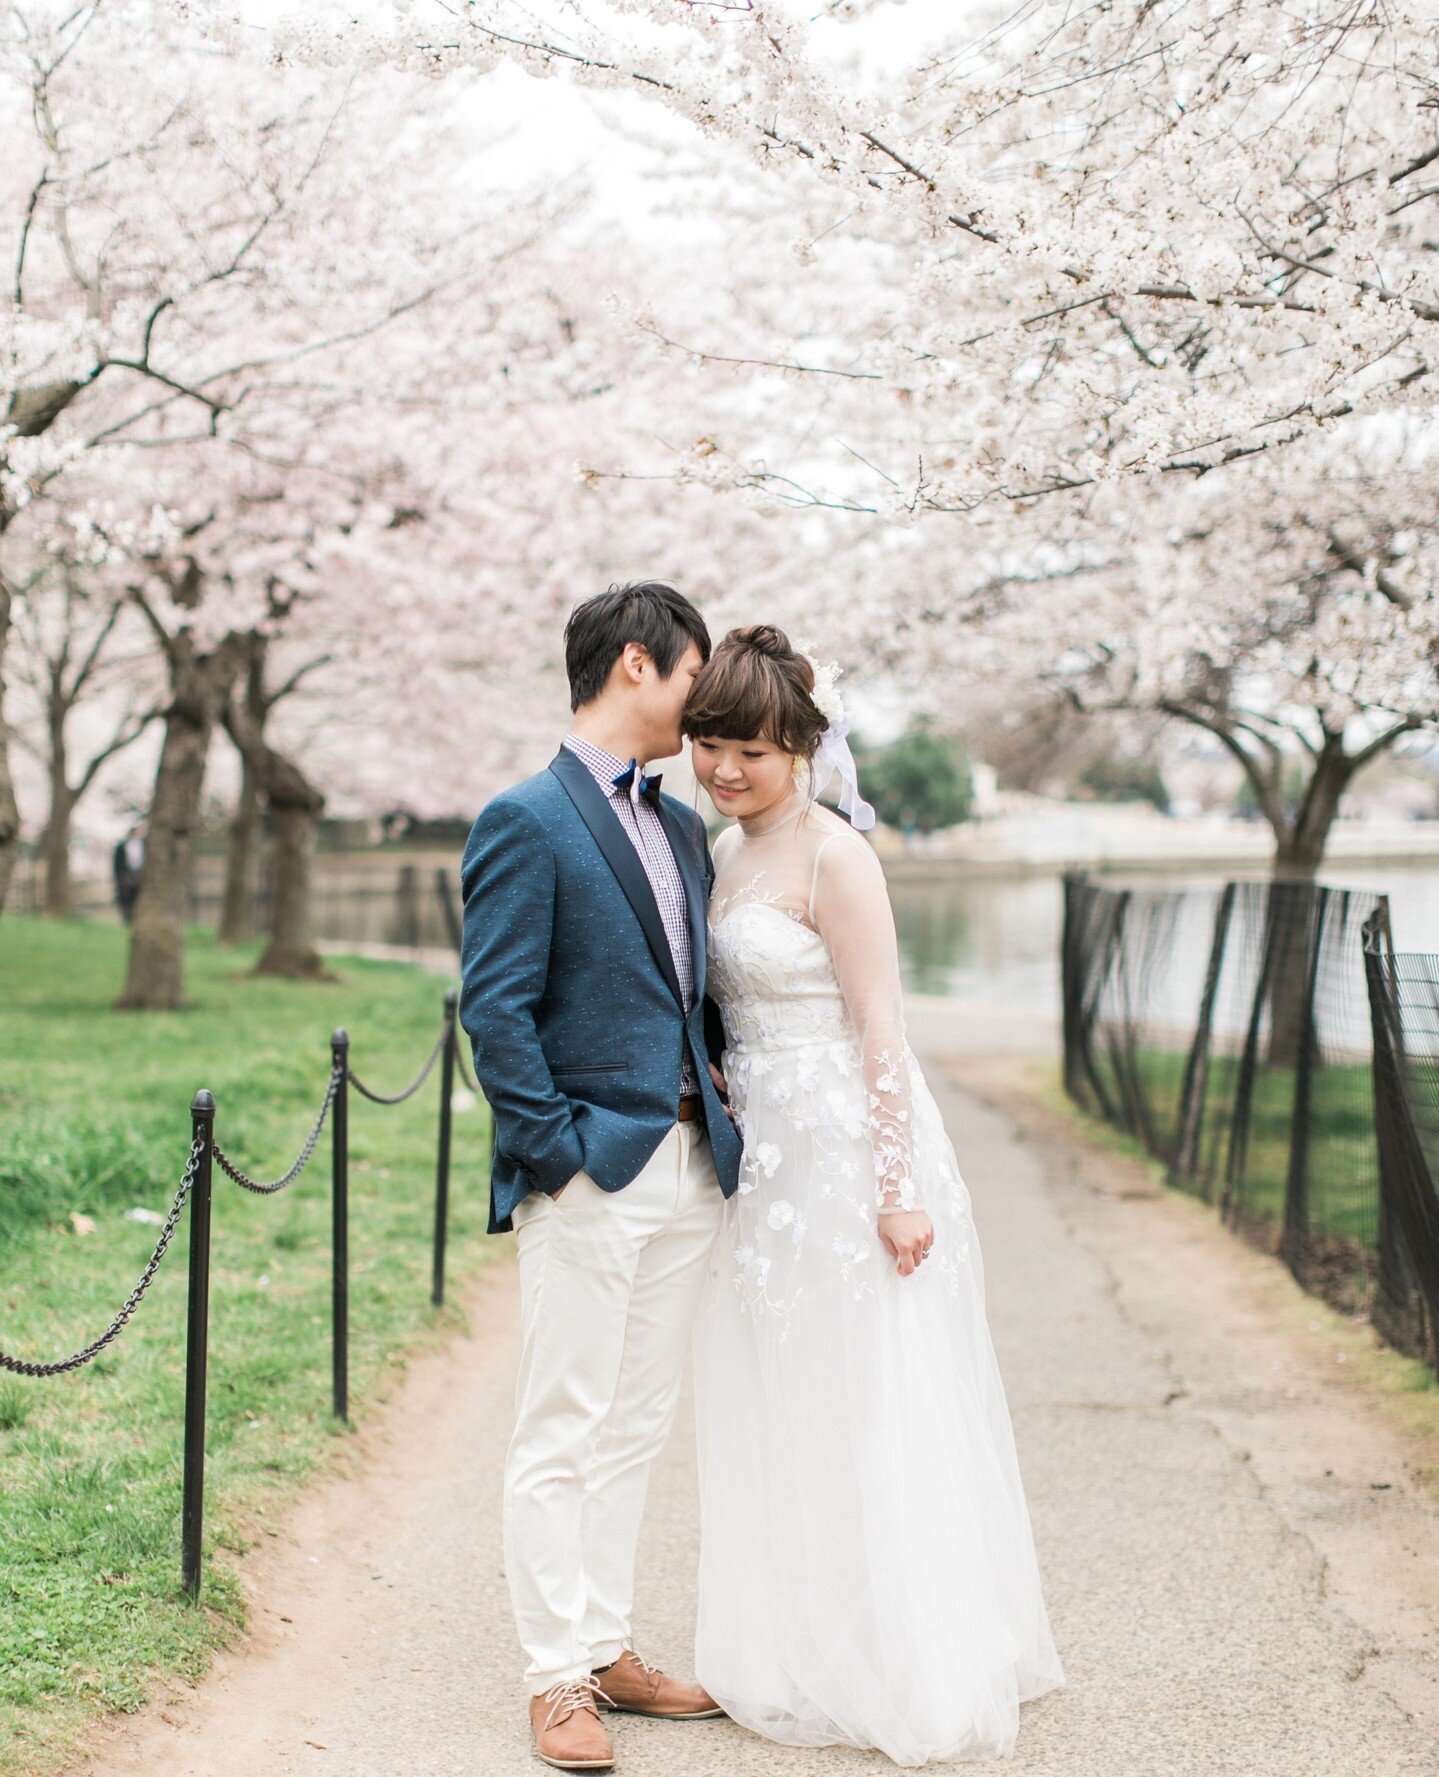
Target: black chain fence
21, 1367
243, 1179
195, 1189
415, 1084
1232, 1031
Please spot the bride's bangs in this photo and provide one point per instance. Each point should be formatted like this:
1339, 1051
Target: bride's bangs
735, 712
739, 694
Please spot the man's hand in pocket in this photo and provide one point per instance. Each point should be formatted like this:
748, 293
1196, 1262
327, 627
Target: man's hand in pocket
556, 1195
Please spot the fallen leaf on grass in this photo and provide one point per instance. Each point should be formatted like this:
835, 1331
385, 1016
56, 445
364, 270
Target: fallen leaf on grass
82, 1224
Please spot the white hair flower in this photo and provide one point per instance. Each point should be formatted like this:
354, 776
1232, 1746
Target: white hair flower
832, 757
825, 697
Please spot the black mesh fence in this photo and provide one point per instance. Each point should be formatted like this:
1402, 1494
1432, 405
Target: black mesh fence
1129, 1002
1404, 1004
1228, 1030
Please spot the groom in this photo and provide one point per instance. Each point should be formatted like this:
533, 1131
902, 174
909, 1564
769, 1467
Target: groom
584, 996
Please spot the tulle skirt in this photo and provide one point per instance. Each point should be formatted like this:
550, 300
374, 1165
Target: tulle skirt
867, 1570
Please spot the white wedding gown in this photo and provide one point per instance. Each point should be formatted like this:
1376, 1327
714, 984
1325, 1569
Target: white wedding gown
867, 1570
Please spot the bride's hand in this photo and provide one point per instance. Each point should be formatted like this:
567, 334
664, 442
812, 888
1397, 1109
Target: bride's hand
722, 1088
907, 1235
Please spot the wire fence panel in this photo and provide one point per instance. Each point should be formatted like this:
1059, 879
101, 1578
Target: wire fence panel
1334, 1188
1135, 1027
1404, 1004
1229, 1031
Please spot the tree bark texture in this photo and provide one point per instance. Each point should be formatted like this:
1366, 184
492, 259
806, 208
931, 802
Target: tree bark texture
294, 806
199, 686
9, 808
1300, 844
242, 860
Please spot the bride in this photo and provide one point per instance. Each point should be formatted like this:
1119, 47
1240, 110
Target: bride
867, 1571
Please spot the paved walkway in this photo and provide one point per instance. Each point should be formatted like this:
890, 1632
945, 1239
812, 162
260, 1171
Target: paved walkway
1195, 1607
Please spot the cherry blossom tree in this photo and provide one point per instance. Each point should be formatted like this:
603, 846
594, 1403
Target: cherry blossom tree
279, 230
1096, 242
78, 655
983, 330
198, 247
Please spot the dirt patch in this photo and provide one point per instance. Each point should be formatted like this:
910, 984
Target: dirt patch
307, 1576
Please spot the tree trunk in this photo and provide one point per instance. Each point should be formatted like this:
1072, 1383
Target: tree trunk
154, 980
59, 902
294, 806
9, 809
1292, 905
1298, 855
294, 818
241, 861
199, 687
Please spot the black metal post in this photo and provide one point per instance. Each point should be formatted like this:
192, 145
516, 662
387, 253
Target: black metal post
1236, 1154
1313, 904
1185, 1164
407, 907
442, 1163
445, 889
340, 1224
192, 1511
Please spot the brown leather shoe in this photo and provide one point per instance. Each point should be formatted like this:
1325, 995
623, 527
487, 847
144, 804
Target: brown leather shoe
568, 1732
638, 1688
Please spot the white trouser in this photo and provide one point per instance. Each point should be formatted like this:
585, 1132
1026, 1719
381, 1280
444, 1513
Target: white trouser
609, 1283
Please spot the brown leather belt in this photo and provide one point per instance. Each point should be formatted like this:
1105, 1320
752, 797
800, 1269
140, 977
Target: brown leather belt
689, 1107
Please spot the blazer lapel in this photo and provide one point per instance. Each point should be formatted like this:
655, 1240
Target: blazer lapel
593, 808
691, 867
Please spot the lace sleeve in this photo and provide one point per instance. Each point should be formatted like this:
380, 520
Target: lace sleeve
849, 907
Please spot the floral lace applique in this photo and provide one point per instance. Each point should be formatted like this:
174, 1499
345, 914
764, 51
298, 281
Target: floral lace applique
826, 1092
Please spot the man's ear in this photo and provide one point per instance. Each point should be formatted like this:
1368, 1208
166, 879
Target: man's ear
634, 662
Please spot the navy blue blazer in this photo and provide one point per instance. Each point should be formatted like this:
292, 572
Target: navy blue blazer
569, 992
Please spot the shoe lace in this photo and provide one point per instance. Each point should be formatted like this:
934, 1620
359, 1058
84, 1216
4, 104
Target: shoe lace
571, 1694
644, 1665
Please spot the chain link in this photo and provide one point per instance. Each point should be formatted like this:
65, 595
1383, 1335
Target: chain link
19, 1367
414, 1087
230, 1169
467, 1072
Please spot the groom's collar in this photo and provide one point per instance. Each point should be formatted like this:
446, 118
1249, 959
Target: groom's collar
603, 764
618, 778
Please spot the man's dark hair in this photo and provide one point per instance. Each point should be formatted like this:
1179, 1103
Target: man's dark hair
644, 611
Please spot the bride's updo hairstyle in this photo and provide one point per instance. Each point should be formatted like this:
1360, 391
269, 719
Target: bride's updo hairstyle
755, 686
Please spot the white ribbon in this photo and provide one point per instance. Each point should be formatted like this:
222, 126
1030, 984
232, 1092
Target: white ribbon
833, 757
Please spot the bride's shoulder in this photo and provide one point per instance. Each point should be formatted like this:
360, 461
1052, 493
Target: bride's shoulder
832, 838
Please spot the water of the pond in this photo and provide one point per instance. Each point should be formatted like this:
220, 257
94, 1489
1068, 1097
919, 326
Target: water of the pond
996, 938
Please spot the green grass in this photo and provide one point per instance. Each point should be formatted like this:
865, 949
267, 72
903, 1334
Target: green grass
1343, 1179
94, 1120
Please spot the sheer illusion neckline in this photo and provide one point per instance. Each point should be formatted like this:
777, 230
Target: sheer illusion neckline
751, 831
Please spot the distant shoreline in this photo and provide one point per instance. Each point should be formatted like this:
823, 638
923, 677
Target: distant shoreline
909, 866
1070, 839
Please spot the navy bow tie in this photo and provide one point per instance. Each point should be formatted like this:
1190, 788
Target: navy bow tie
649, 786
